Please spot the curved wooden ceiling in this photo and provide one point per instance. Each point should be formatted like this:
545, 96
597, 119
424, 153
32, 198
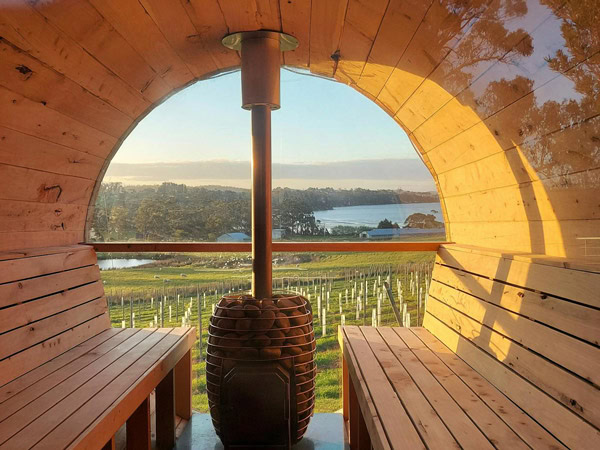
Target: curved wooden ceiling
501, 97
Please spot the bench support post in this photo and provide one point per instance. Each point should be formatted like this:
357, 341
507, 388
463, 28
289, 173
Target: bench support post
138, 428
110, 445
165, 412
183, 387
359, 434
345, 394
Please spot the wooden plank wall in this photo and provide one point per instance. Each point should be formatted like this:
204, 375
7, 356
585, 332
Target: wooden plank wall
50, 301
75, 76
531, 328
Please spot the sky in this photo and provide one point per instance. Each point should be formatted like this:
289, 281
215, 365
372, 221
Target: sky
325, 135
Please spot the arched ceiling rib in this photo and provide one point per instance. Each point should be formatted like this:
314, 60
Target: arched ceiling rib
499, 96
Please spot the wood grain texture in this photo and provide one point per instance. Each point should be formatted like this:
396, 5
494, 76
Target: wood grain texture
249, 15
18, 428
528, 326
83, 396
22, 338
43, 251
13, 240
23, 314
24, 290
23, 362
399, 431
209, 21
132, 22
465, 432
572, 318
326, 24
527, 429
497, 431
183, 387
572, 392
46, 378
19, 149
361, 25
56, 91
576, 356
128, 390
429, 425
33, 118
15, 216
569, 428
52, 46
295, 20
398, 27
452, 405
576, 285
360, 399
32, 377
81, 22
175, 24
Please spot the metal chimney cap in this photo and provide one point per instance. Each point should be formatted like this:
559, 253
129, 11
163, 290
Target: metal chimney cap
234, 40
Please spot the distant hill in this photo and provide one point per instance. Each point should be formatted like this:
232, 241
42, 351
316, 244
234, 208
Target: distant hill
417, 197
320, 199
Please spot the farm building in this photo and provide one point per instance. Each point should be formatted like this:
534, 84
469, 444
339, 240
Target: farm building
277, 233
390, 233
234, 237
500, 100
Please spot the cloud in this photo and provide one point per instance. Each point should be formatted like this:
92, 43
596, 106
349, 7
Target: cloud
369, 173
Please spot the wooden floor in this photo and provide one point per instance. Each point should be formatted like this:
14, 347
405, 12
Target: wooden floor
414, 393
325, 432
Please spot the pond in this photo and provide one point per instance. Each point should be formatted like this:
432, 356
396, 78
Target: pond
110, 264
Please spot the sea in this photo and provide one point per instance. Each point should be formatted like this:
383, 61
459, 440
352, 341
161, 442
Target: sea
371, 215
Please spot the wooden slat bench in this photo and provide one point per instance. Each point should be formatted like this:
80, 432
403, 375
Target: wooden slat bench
68, 380
507, 357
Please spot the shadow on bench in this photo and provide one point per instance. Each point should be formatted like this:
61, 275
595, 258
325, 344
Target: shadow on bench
68, 380
508, 358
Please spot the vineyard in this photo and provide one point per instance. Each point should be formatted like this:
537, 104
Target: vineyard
184, 293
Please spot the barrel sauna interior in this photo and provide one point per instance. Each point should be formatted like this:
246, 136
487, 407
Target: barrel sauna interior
500, 100
261, 370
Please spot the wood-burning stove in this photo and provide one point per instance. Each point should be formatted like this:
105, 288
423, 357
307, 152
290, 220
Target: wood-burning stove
261, 370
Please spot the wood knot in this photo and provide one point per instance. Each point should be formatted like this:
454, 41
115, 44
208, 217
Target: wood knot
56, 187
24, 70
194, 38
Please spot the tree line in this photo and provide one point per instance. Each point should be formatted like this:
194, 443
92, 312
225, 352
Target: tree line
188, 213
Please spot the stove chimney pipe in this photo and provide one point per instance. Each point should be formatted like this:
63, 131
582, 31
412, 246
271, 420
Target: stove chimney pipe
261, 53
